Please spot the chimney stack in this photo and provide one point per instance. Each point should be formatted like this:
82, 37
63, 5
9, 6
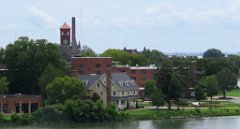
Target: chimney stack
73, 30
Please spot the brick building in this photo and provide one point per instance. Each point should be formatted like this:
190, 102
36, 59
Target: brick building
20, 103
90, 65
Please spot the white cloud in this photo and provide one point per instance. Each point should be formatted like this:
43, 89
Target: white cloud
170, 12
51, 21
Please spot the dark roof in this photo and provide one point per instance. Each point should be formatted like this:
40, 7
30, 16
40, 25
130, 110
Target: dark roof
127, 82
121, 80
91, 79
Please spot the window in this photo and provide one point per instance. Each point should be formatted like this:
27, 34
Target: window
98, 65
143, 78
98, 72
80, 72
114, 93
134, 92
122, 92
81, 66
134, 78
98, 84
85, 82
143, 71
108, 65
101, 93
133, 71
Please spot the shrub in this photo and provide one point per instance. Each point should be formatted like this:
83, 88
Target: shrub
1, 118
52, 114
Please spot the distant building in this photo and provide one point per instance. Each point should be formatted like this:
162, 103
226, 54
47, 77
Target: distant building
138, 73
20, 103
90, 65
123, 90
131, 51
69, 46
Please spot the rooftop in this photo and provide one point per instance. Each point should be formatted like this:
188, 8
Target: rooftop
65, 26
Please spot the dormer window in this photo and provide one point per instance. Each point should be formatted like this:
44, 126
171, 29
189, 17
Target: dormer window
85, 82
120, 83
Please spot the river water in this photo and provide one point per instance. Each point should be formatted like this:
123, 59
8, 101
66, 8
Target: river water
232, 122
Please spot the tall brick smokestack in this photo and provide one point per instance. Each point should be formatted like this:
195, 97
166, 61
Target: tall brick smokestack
73, 31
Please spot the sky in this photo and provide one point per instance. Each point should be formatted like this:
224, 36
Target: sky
165, 25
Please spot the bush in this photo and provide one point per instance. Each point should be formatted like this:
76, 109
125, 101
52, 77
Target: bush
88, 111
1, 118
52, 114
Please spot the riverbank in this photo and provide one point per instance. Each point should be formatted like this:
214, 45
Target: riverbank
154, 114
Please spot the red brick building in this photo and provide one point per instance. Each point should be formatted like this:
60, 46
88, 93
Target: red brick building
20, 103
90, 65
101, 65
138, 73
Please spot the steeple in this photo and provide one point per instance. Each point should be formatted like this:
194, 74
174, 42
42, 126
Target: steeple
65, 26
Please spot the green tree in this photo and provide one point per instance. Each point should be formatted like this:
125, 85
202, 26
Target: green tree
26, 60
211, 66
234, 59
124, 58
48, 75
227, 80
157, 98
63, 88
149, 87
170, 83
199, 93
95, 97
3, 85
2, 55
154, 56
213, 53
212, 86
87, 52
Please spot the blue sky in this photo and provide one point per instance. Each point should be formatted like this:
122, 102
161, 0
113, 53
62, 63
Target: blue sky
166, 25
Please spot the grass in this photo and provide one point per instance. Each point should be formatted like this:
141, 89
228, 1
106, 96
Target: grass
197, 112
234, 92
144, 103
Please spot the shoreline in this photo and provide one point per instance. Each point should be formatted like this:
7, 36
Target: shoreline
154, 114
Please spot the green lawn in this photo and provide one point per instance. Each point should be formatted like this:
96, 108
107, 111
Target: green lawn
234, 92
162, 114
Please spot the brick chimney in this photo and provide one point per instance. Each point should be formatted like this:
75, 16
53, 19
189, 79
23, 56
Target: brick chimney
73, 31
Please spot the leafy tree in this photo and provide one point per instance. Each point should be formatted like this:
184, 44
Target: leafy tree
63, 88
199, 93
227, 80
95, 97
170, 83
234, 59
212, 86
149, 87
26, 60
3, 85
211, 66
48, 75
154, 56
213, 53
157, 98
125, 58
2, 55
87, 52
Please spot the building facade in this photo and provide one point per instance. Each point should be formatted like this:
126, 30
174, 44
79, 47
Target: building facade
124, 90
20, 103
90, 65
